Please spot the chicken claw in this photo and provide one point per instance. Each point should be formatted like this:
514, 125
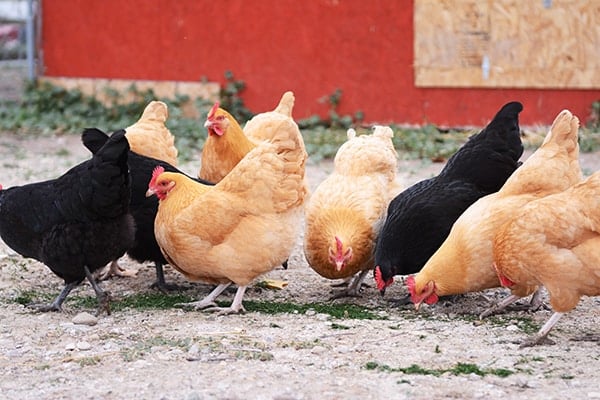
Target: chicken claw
197, 305
536, 341
226, 310
208, 301
102, 296
236, 306
116, 270
103, 303
541, 337
501, 305
160, 283
354, 286
56, 305
535, 304
344, 293
45, 307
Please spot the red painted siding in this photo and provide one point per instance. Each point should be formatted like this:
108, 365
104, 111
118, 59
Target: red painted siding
311, 47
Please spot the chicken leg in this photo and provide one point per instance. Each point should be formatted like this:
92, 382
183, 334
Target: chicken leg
354, 286
236, 306
160, 283
207, 302
535, 304
56, 305
501, 305
542, 336
102, 296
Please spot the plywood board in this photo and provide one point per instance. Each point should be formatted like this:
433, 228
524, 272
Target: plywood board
507, 43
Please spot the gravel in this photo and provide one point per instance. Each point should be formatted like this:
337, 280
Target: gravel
176, 354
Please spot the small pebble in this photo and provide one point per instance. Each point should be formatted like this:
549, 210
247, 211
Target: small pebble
194, 349
85, 319
322, 317
83, 346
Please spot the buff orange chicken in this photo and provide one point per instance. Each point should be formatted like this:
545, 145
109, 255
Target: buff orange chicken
346, 210
553, 242
239, 229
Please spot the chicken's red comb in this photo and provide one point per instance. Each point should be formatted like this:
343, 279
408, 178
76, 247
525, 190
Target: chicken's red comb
381, 284
339, 246
213, 110
157, 171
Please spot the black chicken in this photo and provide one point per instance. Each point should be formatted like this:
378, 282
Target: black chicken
76, 223
142, 208
419, 218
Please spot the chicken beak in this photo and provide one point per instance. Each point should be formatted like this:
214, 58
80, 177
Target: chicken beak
150, 192
207, 124
339, 265
417, 306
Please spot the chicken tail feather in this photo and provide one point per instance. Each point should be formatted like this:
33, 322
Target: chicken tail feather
286, 104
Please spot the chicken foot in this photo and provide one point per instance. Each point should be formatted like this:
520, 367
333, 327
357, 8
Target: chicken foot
102, 296
207, 302
499, 306
541, 337
236, 306
535, 304
114, 269
160, 283
56, 305
354, 286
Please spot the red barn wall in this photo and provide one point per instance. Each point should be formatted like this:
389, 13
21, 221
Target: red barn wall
311, 47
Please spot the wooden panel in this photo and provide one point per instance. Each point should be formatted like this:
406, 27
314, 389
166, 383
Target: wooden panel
507, 43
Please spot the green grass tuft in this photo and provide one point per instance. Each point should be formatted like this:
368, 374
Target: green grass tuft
139, 301
458, 369
160, 301
27, 297
341, 311
524, 323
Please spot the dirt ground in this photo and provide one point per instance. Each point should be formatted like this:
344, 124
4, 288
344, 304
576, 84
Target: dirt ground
176, 354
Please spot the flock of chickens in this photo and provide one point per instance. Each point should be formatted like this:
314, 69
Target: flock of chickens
487, 220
